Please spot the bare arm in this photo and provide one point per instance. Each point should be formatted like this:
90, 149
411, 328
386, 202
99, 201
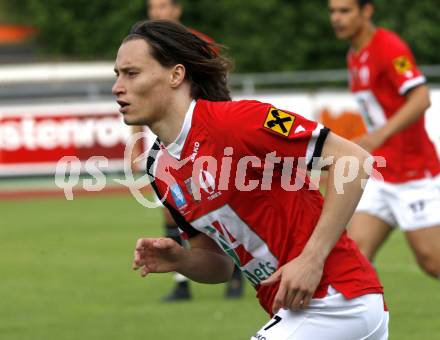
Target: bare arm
417, 102
300, 277
338, 207
204, 262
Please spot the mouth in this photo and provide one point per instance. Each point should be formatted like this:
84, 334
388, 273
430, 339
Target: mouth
123, 106
339, 29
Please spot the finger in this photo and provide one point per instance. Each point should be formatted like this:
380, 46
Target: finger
137, 259
306, 301
279, 299
298, 300
275, 277
142, 245
145, 271
164, 243
290, 296
137, 262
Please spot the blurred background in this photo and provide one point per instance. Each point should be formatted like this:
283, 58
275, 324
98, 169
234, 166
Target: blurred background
65, 264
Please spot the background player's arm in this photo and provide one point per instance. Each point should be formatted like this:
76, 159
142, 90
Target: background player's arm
300, 277
417, 102
205, 262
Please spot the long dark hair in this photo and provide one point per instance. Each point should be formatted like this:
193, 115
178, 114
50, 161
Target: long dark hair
171, 44
362, 3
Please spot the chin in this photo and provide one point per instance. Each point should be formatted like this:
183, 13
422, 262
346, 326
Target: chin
129, 121
133, 120
342, 36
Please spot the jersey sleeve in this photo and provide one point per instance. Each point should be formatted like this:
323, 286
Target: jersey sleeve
400, 66
260, 129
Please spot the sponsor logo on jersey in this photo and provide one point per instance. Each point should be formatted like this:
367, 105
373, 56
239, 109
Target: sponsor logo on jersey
177, 194
300, 129
255, 271
189, 187
207, 182
195, 151
402, 64
279, 121
259, 272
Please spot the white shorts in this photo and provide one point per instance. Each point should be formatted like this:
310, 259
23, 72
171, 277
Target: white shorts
411, 205
331, 318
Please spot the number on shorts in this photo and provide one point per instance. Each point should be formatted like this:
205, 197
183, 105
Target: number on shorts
277, 320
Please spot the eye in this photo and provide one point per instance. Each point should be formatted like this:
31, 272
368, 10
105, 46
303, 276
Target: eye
132, 74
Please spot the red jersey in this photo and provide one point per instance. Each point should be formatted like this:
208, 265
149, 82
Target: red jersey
242, 203
381, 74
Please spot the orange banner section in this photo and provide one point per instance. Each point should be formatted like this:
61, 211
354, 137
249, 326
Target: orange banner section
346, 124
10, 34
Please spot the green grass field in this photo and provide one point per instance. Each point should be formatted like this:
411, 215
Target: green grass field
65, 274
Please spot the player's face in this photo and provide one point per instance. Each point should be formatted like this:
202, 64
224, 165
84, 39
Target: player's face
163, 10
142, 87
346, 17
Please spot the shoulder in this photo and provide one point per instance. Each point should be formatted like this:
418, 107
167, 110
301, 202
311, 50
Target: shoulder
229, 121
389, 41
229, 112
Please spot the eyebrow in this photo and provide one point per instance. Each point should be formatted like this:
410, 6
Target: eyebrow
125, 69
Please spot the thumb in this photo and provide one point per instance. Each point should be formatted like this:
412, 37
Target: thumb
275, 277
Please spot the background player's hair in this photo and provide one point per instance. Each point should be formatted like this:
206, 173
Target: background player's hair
171, 43
362, 3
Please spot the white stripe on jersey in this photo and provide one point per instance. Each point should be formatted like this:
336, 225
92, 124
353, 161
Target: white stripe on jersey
312, 143
409, 84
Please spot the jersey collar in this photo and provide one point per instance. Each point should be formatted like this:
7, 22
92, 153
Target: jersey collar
175, 148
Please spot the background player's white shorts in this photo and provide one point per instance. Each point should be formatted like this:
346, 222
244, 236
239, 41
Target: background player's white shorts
331, 318
411, 205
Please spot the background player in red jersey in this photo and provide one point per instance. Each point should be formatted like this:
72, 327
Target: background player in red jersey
289, 243
172, 10
393, 98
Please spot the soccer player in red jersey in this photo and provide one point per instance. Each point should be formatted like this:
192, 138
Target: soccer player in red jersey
224, 170
172, 10
393, 97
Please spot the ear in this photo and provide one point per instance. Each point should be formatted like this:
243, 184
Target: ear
178, 11
178, 73
368, 11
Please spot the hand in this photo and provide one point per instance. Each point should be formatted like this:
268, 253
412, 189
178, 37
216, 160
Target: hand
157, 255
371, 141
298, 279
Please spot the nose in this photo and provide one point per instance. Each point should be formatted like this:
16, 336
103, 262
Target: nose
118, 88
334, 17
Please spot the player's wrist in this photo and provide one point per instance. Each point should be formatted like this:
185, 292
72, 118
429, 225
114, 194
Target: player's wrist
384, 134
314, 256
180, 257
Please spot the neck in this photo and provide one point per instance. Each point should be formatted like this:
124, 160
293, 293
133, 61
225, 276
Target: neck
169, 127
363, 37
